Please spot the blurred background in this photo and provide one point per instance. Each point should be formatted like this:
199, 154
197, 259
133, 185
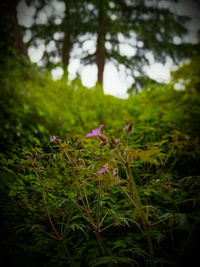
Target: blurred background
148, 22
116, 43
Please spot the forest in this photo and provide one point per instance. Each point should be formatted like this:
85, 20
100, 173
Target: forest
87, 178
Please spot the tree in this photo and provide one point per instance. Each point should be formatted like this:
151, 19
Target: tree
63, 33
11, 32
101, 34
140, 26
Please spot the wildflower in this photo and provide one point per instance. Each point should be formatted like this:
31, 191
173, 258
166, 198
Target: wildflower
115, 172
114, 142
95, 132
104, 139
54, 138
105, 169
128, 128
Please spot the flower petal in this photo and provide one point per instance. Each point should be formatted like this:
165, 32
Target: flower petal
95, 132
90, 135
102, 171
100, 127
53, 138
105, 169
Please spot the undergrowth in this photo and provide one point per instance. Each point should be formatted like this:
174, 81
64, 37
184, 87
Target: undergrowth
123, 194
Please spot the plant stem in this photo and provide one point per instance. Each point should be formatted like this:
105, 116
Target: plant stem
150, 246
136, 197
58, 237
68, 253
95, 228
86, 198
136, 201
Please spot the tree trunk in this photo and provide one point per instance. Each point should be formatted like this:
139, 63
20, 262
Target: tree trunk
100, 52
66, 48
67, 43
11, 32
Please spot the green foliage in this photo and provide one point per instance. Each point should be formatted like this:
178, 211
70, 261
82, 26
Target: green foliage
57, 209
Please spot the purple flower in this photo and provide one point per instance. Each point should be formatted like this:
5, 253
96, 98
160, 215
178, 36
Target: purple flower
105, 169
95, 132
53, 138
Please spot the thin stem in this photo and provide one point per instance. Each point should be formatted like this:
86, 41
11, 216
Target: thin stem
68, 253
95, 228
136, 201
62, 225
87, 212
58, 237
97, 233
103, 219
109, 225
68, 157
98, 205
135, 195
150, 246
121, 159
145, 221
86, 198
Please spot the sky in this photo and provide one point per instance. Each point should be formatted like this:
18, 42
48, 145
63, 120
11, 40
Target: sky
116, 82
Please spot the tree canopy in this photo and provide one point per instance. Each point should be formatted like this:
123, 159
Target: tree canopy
97, 32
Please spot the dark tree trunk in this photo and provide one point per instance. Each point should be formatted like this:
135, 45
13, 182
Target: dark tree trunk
66, 52
11, 32
67, 43
100, 52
